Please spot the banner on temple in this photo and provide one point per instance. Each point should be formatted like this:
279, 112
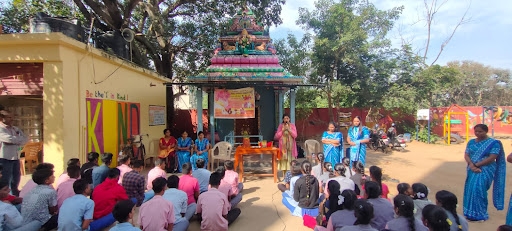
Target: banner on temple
234, 103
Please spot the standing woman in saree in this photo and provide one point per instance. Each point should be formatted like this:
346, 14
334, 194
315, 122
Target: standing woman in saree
358, 136
509, 213
201, 148
333, 145
184, 145
167, 151
486, 163
286, 134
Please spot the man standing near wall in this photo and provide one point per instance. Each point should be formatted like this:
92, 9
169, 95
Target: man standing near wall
11, 140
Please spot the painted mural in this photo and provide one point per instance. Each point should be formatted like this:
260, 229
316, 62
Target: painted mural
110, 124
499, 116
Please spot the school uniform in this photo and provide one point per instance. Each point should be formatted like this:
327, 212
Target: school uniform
402, 224
383, 212
300, 192
462, 220
419, 204
358, 228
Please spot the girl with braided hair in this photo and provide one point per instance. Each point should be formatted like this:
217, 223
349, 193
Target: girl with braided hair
345, 182
448, 201
384, 211
435, 218
363, 211
359, 177
306, 190
344, 215
404, 209
321, 171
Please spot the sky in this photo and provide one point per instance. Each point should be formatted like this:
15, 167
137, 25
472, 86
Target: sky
486, 38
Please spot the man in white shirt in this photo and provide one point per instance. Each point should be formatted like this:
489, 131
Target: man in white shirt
11, 141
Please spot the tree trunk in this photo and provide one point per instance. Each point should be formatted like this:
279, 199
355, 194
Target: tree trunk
329, 105
169, 93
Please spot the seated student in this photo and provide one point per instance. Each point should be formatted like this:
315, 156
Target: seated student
288, 200
123, 212
448, 201
157, 171
363, 211
100, 173
182, 211
105, 197
383, 209
359, 177
404, 209
65, 189
124, 167
325, 208
404, 189
344, 216
64, 176
133, 183
346, 162
226, 188
188, 183
376, 175
10, 217
86, 169
420, 196
287, 178
231, 178
30, 183
504, 228
202, 175
340, 176
306, 190
322, 171
214, 207
435, 218
41, 203
152, 219
76, 212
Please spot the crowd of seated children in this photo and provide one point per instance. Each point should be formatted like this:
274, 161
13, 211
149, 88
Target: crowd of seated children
214, 208
158, 213
287, 177
183, 212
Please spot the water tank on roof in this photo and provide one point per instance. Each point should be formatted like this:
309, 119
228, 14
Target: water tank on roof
43, 23
114, 42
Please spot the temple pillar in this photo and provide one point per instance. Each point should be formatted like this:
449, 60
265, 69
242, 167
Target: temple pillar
199, 109
211, 120
280, 105
292, 105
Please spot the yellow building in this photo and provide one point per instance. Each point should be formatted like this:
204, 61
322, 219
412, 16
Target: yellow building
83, 99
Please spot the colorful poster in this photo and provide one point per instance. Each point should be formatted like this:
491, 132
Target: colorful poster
234, 103
156, 115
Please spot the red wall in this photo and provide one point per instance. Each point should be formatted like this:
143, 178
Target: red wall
21, 79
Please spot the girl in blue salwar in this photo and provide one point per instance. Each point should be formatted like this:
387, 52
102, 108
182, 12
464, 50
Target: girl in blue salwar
184, 145
486, 163
201, 148
357, 137
333, 145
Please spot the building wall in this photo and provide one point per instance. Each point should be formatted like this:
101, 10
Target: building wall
75, 75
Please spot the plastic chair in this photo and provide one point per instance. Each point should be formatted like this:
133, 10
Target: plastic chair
312, 146
31, 151
154, 148
223, 153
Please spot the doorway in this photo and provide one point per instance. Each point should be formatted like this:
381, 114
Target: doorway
252, 125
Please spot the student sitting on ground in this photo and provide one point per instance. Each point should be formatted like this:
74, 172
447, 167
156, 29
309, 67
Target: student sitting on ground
124, 167
420, 196
214, 207
182, 211
287, 178
100, 173
404, 189
133, 183
41, 202
30, 183
123, 212
10, 217
325, 207
322, 171
383, 209
448, 201
363, 211
288, 200
202, 175
105, 197
359, 177
346, 162
65, 189
340, 176
86, 169
306, 188
228, 189
76, 212
65, 176
153, 219
157, 171
188, 183
231, 178
376, 175
344, 216
435, 218
404, 209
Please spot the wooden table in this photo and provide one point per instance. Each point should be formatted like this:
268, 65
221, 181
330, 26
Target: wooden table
239, 160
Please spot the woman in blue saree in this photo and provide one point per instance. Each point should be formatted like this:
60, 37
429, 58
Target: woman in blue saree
509, 214
201, 148
184, 144
333, 145
486, 163
358, 136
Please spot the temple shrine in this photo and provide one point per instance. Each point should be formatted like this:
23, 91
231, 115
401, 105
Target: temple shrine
245, 59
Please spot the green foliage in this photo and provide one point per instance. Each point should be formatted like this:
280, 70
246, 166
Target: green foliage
423, 136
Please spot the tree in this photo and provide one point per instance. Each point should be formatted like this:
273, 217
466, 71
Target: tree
350, 46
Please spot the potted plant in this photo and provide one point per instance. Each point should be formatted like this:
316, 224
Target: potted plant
246, 141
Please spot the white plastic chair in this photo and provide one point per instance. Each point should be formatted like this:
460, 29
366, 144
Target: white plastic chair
223, 153
312, 146
152, 153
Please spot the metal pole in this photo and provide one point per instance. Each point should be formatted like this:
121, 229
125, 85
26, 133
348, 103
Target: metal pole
292, 105
199, 109
429, 130
492, 120
211, 111
417, 129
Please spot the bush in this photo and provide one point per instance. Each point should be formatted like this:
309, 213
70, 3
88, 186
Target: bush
423, 136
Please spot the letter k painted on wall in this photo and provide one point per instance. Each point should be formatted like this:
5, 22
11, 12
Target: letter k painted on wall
91, 126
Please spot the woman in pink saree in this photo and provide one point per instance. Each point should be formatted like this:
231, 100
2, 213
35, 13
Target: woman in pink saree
286, 134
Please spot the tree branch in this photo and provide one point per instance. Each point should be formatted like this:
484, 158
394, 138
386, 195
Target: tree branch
101, 14
114, 12
88, 16
128, 11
